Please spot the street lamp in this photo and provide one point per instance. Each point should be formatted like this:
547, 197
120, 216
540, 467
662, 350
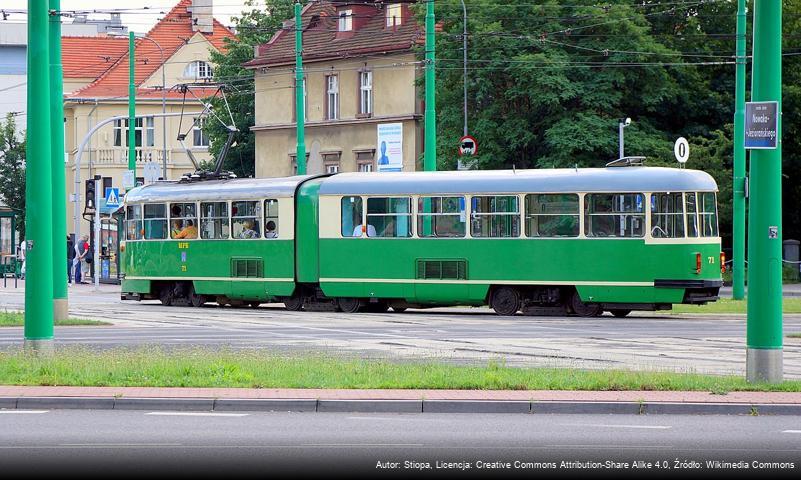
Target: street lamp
621, 125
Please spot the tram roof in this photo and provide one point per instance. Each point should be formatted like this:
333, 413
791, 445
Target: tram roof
211, 190
610, 179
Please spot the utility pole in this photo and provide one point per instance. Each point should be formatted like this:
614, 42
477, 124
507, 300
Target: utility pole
60, 302
764, 337
430, 154
131, 110
738, 187
300, 106
39, 187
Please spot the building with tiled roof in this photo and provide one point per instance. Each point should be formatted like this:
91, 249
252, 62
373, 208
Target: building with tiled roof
360, 70
177, 50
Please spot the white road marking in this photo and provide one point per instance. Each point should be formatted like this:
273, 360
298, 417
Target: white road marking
116, 445
24, 411
198, 414
791, 431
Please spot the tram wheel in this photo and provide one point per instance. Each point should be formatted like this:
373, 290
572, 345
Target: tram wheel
584, 309
349, 305
195, 299
506, 301
166, 295
619, 312
294, 303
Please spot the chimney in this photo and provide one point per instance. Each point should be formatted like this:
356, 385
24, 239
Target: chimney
202, 16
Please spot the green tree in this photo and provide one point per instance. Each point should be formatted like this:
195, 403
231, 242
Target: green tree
12, 169
253, 27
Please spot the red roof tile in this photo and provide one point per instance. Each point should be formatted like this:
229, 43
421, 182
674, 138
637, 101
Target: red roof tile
171, 32
322, 41
90, 57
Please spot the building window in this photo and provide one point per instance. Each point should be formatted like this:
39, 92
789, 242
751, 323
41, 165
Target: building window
121, 132
294, 162
345, 20
331, 162
200, 138
394, 15
366, 93
198, 70
332, 97
365, 161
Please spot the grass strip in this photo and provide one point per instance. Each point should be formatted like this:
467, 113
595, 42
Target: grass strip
17, 319
728, 305
198, 367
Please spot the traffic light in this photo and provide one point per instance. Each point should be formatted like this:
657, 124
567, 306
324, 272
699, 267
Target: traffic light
89, 196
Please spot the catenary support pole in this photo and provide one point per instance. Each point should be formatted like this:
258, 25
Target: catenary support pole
131, 106
764, 337
300, 106
60, 301
738, 203
430, 154
38, 188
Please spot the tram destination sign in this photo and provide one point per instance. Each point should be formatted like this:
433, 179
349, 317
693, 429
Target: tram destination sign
761, 125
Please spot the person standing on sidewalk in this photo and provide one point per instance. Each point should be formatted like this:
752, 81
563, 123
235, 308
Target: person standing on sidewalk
80, 253
70, 257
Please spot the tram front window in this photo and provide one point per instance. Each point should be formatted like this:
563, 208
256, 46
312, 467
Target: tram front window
709, 214
133, 222
155, 221
667, 215
614, 215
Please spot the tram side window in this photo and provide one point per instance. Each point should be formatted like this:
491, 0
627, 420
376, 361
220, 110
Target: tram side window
390, 217
245, 219
445, 215
708, 217
352, 217
214, 223
271, 218
692, 214
667, 215
133, 222
495, 216
614, 215
552, 215
184, 221
155, 226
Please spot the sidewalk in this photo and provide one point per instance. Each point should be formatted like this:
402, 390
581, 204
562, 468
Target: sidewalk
788, 290
400, 401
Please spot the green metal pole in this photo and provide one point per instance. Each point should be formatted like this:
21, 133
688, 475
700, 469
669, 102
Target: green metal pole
430, 154
738, 234
60, 306
39, 187
131, 107
764, 352
300, 108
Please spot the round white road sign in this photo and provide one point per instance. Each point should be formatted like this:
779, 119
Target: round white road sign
682, 150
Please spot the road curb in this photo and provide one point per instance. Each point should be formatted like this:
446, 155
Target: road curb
397, 406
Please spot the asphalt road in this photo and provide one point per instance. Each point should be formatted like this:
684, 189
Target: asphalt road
697, 343
214, 443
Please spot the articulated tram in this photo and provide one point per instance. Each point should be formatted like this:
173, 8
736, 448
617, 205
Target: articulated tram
587, 241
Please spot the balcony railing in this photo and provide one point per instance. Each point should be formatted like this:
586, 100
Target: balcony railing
119, 156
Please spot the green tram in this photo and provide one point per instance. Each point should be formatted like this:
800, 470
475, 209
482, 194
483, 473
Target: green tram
611, 239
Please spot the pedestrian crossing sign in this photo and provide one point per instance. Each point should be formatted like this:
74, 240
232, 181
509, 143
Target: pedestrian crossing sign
112, 197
